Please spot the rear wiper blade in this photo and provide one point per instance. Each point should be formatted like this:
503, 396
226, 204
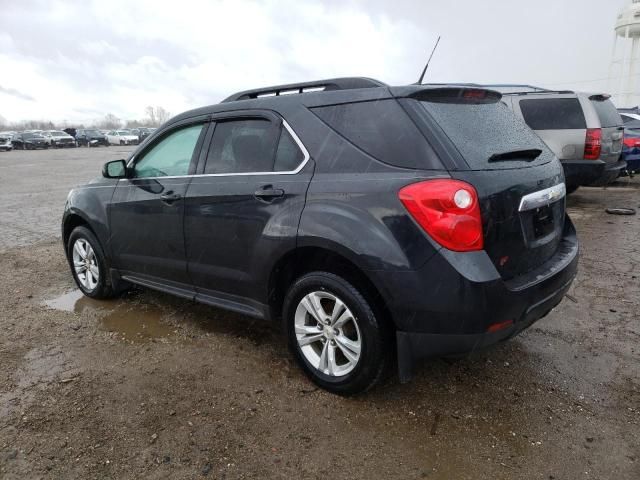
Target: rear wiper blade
526, 155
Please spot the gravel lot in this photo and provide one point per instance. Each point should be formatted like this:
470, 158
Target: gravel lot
149, 386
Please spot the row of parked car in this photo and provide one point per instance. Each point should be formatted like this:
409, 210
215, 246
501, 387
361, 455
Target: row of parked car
71, 137
595, 142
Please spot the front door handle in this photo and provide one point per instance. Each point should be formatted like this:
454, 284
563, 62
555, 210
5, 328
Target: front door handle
268, 193
170, 197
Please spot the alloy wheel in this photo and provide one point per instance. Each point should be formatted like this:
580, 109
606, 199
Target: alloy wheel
327, 333
85, 264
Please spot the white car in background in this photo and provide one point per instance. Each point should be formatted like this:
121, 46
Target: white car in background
58, 138
121, 137
5, 143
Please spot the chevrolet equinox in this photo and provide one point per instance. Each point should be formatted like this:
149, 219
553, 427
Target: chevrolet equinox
377, 225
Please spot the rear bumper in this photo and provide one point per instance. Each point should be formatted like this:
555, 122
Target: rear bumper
633, 162
611, 172
582, 172
448, 306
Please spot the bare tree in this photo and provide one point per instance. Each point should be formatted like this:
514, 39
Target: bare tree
110, 121
156, 115
134, 123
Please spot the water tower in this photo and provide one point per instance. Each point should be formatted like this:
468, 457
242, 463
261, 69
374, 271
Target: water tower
624, 75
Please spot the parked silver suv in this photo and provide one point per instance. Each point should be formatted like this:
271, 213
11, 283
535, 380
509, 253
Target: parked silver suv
584, 130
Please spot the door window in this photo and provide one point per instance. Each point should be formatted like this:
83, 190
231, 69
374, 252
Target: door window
171, 156
242, 146
288, 156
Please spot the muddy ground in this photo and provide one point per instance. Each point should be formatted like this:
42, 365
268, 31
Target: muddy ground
149, 386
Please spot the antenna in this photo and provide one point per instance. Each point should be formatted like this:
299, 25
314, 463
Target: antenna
419, 82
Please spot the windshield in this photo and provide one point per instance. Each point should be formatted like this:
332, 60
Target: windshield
32, 135
93, 132
123, 132
57, 133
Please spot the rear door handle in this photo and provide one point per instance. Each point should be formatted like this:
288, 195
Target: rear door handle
170, 197
269, 193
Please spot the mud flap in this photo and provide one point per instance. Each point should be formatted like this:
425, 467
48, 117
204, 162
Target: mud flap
405, 357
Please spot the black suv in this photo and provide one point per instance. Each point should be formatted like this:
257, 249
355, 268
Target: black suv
90, 138
369, 220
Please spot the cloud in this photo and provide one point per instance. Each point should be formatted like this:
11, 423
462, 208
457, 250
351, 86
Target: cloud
15, 93
66, 61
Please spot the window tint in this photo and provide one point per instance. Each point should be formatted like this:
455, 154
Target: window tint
609, 116
553, 114
288, 156
171, 156
381, 129
242, 146
480, 131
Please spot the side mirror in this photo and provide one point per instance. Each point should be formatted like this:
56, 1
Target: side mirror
115, 169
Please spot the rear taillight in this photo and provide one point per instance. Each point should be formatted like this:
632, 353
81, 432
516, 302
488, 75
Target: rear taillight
593, 144
448, 210
632, 142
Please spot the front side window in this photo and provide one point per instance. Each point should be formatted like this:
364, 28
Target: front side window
171, 156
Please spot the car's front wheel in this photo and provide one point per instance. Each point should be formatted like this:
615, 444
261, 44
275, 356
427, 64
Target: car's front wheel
88, 264
335, 333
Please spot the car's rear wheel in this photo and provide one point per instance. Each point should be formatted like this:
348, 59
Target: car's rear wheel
88, 264
335, 334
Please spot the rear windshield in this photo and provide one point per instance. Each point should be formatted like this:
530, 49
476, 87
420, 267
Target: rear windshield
609, 116
481, 131
553, 114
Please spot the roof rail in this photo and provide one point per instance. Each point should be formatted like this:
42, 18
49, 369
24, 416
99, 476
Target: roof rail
346, 83
517, 85
524, 89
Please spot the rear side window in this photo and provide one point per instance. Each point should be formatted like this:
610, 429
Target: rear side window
383, 130
288, 156
481, 131
242, 146
252, 146
609, 116
553, 114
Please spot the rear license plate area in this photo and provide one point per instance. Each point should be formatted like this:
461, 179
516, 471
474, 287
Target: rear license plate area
542, 221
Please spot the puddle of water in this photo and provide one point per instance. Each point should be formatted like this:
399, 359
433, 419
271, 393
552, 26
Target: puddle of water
129, 320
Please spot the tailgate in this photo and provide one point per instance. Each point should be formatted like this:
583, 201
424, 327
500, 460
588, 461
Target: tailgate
523, 214
520, 183
612, 127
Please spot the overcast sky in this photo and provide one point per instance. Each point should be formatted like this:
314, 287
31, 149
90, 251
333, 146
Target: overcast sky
76, 61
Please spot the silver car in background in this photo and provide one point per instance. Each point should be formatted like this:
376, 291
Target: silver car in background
584, 130
5, 143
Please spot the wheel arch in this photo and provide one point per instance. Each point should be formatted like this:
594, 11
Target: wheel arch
71, 222
302, 260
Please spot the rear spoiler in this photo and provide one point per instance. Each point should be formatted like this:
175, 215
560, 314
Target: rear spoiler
459, 95
600, 97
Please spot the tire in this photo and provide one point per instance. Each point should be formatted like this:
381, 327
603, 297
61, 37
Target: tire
363, 335
100, 289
